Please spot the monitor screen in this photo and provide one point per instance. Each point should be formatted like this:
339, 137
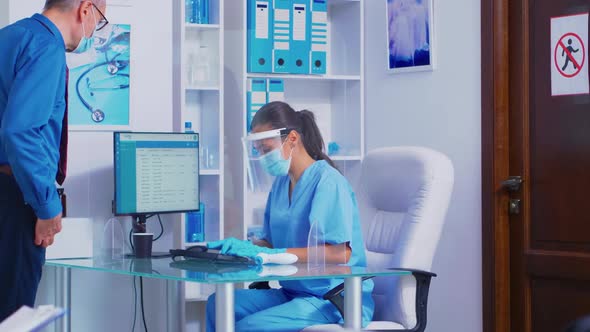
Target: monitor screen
156, 172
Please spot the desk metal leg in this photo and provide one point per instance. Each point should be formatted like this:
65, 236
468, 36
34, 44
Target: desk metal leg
175, 309
353, 302
63, 297
224, 307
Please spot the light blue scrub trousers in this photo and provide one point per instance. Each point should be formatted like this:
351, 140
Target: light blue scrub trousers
276, 310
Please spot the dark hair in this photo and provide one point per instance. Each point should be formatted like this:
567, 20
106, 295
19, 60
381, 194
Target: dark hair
278, 115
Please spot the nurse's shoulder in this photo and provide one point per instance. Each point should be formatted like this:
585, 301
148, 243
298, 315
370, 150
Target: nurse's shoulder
331, 177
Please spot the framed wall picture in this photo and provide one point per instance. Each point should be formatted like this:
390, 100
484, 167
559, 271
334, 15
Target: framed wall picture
100, 80
410, 35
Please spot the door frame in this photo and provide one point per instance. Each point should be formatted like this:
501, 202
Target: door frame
495, 77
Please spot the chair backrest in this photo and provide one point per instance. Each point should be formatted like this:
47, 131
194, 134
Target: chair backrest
403, 196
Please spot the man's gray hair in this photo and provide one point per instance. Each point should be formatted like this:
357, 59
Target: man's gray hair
66, 5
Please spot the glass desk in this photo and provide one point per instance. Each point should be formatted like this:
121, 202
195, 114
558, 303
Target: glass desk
224, 276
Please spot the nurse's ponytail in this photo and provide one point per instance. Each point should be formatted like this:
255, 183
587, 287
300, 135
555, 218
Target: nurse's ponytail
313, 141
278, 115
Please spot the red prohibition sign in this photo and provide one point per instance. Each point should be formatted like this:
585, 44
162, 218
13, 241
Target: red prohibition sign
561, 45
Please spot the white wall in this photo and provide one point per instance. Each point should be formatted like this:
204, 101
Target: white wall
440, 110
90, 176
4, 13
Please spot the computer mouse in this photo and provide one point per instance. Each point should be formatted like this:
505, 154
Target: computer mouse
283, 258
197, 248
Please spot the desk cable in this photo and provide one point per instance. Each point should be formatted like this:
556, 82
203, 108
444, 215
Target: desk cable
135, 302
142, 309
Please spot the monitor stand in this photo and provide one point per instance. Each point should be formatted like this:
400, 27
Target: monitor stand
139, 226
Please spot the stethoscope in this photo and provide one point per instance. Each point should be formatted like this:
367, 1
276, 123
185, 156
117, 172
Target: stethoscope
113, 66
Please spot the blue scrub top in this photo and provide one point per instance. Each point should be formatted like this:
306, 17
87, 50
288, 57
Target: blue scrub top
32, 106
324, 196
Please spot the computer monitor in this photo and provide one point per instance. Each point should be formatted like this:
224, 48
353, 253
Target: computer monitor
155, 173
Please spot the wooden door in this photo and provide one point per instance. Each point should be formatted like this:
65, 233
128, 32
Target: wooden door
538, 260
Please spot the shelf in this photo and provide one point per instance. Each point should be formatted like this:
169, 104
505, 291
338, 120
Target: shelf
194, 26
199, 99
345, 158
337, 98
197, 299
203, 88
307, 77
195, 292
209, 172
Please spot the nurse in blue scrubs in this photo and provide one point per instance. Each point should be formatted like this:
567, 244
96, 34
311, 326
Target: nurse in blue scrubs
307, 189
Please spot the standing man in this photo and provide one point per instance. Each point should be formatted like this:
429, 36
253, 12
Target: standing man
33, 137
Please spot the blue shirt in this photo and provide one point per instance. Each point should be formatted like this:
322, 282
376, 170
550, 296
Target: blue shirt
32, 106
322, 196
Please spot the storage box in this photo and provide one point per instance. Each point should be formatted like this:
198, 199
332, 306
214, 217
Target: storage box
74, 241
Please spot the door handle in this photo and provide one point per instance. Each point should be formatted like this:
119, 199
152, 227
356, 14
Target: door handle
512, 183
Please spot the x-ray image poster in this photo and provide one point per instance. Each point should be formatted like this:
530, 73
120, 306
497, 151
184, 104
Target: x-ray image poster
409, 35
98, 88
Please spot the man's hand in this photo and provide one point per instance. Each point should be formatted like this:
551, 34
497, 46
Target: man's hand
45, 230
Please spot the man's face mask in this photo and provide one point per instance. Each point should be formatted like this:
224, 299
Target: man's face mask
86, 42
274, 164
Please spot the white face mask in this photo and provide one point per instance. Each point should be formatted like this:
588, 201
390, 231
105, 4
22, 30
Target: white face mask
274, 163
86, 42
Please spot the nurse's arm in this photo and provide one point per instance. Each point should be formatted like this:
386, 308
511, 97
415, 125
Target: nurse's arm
335, 254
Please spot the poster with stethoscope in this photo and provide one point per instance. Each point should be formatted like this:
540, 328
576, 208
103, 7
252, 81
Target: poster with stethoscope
98, 97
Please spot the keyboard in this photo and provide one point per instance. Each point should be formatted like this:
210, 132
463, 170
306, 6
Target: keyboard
203, 253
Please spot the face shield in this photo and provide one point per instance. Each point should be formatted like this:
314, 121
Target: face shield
265, 158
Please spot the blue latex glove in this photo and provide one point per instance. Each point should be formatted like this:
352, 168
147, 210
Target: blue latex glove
235, 247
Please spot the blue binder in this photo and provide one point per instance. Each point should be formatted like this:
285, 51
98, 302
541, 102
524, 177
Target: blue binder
255, 99
260, 17
300, 43
276, 90
281, 35
195, 225
319, 37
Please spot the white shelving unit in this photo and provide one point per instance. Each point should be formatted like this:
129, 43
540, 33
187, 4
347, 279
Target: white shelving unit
199, 99
308, 77
337, 99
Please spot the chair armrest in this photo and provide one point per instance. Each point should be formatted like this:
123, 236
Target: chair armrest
259, 285
422, 288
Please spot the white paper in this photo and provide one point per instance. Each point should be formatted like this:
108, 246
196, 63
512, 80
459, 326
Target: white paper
29, 319
276, 96
299, 22
569, 55
262, 20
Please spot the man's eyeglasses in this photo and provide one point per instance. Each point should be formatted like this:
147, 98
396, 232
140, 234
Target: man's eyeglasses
103, 22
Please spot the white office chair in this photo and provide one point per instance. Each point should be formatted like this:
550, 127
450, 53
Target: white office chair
403, 196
